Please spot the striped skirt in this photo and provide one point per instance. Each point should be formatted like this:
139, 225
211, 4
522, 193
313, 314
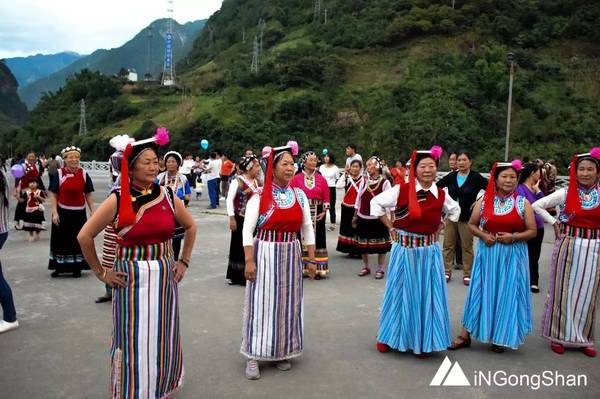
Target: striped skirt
414, 314
273, 325
321, 256
573, 292
498, 305
146, 358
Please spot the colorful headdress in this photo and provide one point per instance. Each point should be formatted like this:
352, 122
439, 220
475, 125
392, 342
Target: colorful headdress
435, 152
573, 203
266, 200
247, 162
118, 143
69, 149
131, 152
305, 157
490, 191
175, 155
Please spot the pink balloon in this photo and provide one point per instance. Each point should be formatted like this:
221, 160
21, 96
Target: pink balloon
17, 171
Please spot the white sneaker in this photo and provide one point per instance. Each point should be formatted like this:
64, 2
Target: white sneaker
252, 370
7, 326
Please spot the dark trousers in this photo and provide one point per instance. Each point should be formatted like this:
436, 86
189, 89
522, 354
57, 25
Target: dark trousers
213, 192
534, 247
332, 200
6, 297
176, 247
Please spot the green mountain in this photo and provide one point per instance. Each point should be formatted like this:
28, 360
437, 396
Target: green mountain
387, 75
34, 67
131, 55
12, 111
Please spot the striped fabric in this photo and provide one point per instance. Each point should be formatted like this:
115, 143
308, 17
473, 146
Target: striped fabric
276, 236
414, 315
580, 232
109, 247
412, 240
146, 356
273, 325
498, 305
573, 293
321, 255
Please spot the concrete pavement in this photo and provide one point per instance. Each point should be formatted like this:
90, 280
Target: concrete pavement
61, 349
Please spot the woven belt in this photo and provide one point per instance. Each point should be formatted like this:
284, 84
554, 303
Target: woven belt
145, 252
276, 236
414, 240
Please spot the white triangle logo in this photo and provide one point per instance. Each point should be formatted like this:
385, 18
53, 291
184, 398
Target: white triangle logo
450, 375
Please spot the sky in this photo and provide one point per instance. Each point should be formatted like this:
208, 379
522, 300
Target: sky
29, 27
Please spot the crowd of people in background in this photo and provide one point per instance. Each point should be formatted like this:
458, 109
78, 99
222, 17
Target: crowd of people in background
277, 205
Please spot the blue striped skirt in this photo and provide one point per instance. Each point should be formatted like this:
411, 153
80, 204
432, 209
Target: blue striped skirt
498, 305
272, 327
146, 358
414, 314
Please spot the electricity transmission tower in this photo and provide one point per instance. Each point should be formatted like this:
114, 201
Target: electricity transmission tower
82, 124
211, 36
261, 27
255, 56
148, 74
168, 76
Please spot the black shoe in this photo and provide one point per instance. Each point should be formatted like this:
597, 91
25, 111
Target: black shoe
77, 274
535, 289
497, 349
54, 274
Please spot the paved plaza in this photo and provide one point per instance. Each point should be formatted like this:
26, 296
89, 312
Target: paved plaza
61, 349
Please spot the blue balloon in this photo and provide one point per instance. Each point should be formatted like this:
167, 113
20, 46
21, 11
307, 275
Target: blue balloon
204, 144
325, 151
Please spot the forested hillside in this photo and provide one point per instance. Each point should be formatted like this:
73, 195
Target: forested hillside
388, 75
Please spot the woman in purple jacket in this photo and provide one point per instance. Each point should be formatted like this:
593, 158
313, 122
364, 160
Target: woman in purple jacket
529, 187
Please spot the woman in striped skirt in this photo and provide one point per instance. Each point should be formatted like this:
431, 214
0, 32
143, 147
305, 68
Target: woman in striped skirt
350, 182
575, 270
146, 356
317, 191
273, 323
414, 315
498, 305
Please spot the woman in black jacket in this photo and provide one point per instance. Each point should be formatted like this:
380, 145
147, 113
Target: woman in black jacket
463, 186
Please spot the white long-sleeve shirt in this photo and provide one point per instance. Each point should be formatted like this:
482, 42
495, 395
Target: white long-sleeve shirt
233, 188
389, 199
330, 173
557, 198
252, 213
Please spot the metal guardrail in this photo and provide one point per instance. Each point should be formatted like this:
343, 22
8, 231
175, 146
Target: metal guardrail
96, 166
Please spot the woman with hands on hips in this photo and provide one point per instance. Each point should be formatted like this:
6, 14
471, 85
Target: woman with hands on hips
145, 275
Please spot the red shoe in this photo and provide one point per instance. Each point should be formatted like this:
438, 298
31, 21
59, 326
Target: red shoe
466, 281
381, 347
364, 272
589, 351
448, 277
557, 348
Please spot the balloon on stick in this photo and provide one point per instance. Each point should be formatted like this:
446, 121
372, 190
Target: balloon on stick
204, 144
325, 151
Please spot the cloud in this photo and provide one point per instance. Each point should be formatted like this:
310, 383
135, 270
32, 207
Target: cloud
42, 26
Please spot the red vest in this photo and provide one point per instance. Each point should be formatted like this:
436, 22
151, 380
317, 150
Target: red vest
367, 196
71, 191
287, 220
431, 212
508, 221
587, 218
351, 193
155, 223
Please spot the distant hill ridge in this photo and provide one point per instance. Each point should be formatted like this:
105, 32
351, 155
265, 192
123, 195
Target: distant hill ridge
133, 55
34, 67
